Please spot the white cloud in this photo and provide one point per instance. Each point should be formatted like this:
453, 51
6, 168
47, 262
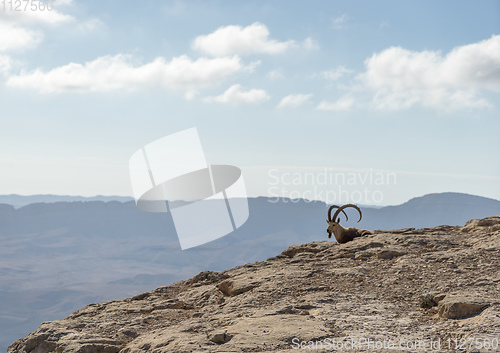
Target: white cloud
236, 95
35, 16
16, 27
15, 38
344, 103
294, 100
253, 39
310, 43
5, 64
339, 22
109, 73
90, 25
63, 2
440, 99
190, 94
335, 74
275, 75
252, 66
401, 78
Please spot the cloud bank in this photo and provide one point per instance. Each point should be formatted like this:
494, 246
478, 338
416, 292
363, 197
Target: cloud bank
14, 38
294, 100
253, 39
108, 73
344, 103
237, 95
401, 78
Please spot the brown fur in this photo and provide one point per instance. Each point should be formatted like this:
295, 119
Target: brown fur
343, 235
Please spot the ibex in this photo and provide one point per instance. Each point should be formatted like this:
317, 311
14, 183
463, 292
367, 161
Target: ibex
342, 234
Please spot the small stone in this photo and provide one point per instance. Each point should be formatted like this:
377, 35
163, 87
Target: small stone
236, 287
221, 337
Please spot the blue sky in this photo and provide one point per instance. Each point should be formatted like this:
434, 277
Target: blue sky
282, 89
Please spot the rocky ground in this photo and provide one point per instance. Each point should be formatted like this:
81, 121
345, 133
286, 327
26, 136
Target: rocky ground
414, 289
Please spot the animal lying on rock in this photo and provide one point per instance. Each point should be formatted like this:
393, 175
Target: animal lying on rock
343, 235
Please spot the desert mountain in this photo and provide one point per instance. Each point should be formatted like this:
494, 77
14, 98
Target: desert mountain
419, 289
57, 257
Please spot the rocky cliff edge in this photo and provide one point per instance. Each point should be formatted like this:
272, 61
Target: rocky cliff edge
403, 289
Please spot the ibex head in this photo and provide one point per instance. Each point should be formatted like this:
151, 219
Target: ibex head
334, 222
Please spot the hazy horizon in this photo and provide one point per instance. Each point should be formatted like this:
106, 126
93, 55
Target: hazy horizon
130, 198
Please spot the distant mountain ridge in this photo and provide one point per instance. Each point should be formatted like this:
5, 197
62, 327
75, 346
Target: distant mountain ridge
22, 200
431, 210
108, 215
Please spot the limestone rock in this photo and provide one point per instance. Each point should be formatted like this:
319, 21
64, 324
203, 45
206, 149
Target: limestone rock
456, 306
309, 248
236, 286
221, 337
489, 224
371, 287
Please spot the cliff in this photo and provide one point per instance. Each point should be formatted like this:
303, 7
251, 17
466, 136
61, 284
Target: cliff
407, 288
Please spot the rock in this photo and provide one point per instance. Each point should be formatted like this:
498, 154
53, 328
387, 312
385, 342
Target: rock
363, 255
399, 231
385, 254
310, 248
221, 337
489, 224
437, 298
172, 304
128, 332
371, 287
206, 277
457, 306
388, 254
236, 286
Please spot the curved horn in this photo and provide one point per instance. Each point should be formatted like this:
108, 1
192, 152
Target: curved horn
336, 213
346, 206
